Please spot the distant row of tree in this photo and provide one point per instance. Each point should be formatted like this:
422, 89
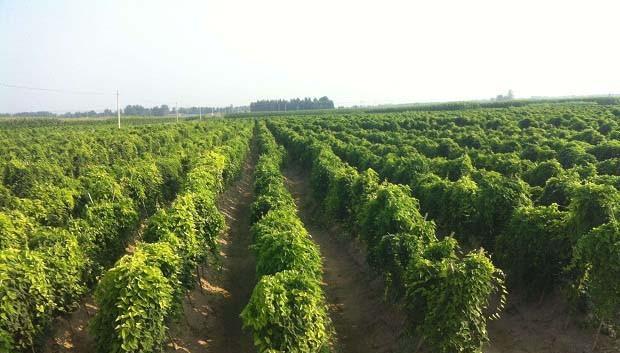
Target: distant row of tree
48, 114
140, 110
292, 104
135, 110
209, 110
165, 110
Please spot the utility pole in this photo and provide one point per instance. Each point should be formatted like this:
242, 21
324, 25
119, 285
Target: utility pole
212, 111
200, 113
118, 111
177, 109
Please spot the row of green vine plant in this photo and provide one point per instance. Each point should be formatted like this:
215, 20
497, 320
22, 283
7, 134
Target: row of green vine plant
142, 294
287, 310
67, 213
565, 238
445, 292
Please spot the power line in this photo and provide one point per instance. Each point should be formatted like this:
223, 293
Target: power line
100, 93
62, 111
156, 103
54, 90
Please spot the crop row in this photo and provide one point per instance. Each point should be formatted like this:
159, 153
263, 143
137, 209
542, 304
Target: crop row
444, 292
68, 207
542, 244
143, 292
287, 310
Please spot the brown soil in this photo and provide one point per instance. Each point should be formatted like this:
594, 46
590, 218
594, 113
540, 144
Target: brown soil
70, 333
212, 323
545, 327
363, 321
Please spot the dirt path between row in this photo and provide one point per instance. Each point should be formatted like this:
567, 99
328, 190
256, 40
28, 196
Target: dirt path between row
531, 327
364, 323
212, 323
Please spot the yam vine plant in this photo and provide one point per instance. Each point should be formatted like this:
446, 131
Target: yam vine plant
488, 177
445, 292
592, 205
134, 299
449, 296
596, 256
71, 196
535, 248
287, 310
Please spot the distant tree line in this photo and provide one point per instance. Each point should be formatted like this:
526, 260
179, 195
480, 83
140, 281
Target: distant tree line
48, 114
165, 110
140, 110
41, 114
209, 110
134, 110
275, 105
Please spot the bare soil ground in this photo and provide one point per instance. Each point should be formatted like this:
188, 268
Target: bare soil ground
363, 321
532, 327
70, 333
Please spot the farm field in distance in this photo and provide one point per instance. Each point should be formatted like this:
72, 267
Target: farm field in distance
440, 228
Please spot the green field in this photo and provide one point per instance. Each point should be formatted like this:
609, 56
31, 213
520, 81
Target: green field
445, 228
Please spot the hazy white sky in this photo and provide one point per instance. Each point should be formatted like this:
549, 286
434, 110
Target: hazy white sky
232, 52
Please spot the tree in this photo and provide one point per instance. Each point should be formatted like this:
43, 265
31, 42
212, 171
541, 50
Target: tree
292, 104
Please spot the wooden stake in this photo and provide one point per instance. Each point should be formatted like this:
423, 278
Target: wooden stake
417, 348
598, 333
199, 279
